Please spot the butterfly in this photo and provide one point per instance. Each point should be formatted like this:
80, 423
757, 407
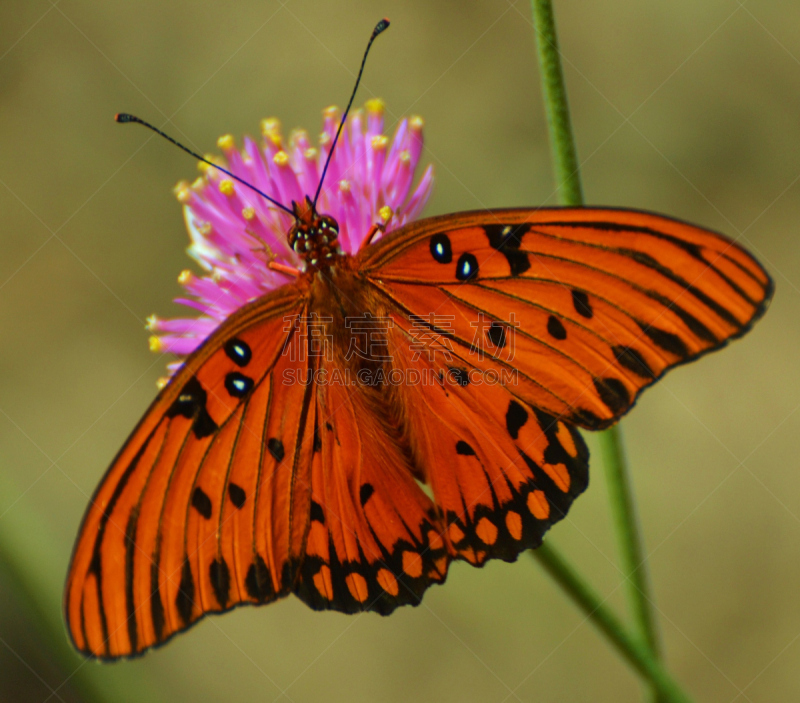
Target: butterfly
350, 434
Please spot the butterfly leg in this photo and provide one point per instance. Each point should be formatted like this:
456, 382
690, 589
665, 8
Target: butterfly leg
284, 268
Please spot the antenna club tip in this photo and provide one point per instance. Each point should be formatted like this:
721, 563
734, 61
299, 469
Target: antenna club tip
381, 26
123, 117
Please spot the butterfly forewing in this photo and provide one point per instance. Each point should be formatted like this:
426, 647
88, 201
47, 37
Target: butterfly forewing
600, 302
142, 565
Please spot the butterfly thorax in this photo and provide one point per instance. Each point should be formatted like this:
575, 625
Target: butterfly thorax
314, 237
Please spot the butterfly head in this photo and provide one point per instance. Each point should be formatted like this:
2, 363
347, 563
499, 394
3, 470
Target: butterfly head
314, 237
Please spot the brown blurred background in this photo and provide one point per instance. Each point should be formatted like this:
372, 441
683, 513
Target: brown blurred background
691, 108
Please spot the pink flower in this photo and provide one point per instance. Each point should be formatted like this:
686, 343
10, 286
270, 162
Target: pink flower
235, 233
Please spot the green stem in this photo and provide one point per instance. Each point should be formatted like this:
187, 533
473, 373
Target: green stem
567, 172
28, 557
631, 547
565, 156
634, 650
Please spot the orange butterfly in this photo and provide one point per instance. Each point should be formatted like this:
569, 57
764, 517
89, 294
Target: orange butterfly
280, 458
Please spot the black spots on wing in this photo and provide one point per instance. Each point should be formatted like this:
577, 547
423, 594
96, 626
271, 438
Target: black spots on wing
220, 577
466, 267
666, 341
441, 249
317, 440
191, 404
555, 328
580, 301
237, 384
238, 351
329, 426
365, 493
156, 606
496, 334
317, 513
184, 600
201, 502
459, 376
613, 393
586, 418
464, 449
632, 360
507, 240
237, 495
275, 447
358, 583
516, 417
258, 581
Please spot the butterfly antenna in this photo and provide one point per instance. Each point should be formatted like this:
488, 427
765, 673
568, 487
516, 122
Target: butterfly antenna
380, 27
124, 117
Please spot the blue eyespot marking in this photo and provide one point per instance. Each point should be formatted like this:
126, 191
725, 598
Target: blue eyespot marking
237, 384
441, 250
238, 352
467, 267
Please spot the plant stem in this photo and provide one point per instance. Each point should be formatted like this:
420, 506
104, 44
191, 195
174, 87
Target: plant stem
634, 650
631, 548
562, 144
567, 172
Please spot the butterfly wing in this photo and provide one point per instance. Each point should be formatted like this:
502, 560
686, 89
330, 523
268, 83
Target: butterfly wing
206, 506
515, 325
501, 471
588, 305
375, 540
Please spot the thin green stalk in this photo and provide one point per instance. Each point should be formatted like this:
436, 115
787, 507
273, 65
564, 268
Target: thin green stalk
567, 174
634, 650
629, 536
28, 557
562, 144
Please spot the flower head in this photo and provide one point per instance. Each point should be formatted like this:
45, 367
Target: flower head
235, 233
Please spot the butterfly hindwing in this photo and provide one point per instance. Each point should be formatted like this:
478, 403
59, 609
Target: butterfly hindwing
501, 471
375, 539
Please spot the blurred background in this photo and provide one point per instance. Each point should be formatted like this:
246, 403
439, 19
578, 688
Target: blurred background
690, 108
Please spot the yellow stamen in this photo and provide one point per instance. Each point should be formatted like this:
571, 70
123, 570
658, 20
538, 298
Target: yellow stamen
416, 123
311, 154
271, 130
379, 142
185, 277
155, 344
281, 158
226, 187
375, 106
152, 321
324, 139
248, 213
198, 183
405, 157
386, 213
162, 382
182, 192
331, 112
344, 186
226, 142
